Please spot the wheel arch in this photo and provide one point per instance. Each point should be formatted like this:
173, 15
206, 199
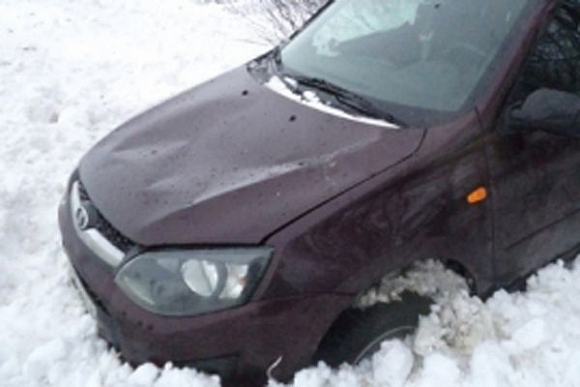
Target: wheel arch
346, 316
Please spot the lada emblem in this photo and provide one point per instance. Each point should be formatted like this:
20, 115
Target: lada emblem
82, 218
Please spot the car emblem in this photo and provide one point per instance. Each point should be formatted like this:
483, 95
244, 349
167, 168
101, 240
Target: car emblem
82, 218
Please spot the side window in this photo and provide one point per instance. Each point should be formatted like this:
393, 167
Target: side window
554, 63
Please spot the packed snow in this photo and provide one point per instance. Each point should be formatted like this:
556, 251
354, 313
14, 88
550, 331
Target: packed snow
70, 71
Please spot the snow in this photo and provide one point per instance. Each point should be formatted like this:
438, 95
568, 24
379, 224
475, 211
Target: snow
72, 71
519, 339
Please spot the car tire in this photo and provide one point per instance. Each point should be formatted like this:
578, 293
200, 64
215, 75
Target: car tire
358, 333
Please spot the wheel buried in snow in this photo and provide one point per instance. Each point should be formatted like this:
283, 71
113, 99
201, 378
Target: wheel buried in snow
358, 333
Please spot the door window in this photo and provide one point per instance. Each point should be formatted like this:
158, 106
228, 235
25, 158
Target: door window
554, 62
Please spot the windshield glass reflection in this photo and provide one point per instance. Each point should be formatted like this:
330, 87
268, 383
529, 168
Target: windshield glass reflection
417, 53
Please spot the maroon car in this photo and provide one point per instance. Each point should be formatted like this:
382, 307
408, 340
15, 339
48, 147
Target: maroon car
232, 228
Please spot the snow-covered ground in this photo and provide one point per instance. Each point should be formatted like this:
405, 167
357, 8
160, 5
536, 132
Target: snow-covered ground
70, 71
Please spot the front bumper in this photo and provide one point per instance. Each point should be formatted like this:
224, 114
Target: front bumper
238, 344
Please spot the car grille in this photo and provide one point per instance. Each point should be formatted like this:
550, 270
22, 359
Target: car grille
105, 228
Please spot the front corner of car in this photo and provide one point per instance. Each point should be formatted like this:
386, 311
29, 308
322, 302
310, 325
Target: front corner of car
192, 307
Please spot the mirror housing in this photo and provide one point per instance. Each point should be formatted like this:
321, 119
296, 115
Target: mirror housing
547, 110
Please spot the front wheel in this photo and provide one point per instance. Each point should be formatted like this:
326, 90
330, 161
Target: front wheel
358, 333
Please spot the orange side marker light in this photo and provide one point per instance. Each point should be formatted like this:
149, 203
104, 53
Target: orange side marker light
477, 196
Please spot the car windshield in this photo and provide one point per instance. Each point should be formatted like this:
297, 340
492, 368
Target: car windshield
426, 54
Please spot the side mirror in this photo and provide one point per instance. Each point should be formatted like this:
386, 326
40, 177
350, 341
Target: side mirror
547, 110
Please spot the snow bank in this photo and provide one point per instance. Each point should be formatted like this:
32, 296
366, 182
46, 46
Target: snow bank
69, 73
522, 339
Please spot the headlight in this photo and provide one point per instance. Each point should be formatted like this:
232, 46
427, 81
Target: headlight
190, 282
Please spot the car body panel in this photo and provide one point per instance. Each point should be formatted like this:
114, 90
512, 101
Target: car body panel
227, 162
249, 334
535, 175
405, 214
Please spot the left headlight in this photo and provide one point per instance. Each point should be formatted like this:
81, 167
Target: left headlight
190, 282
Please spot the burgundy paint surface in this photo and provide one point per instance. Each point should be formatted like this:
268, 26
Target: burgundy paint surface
251, 333
216, 166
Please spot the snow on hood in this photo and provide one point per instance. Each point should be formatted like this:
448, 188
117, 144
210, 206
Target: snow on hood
230, 162
312, 100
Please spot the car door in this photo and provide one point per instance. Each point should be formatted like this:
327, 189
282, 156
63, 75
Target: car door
536, 174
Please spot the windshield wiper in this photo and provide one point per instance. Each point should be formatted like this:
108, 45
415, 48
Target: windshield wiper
346, 97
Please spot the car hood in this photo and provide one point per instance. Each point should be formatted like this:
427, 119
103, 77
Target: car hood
231, 161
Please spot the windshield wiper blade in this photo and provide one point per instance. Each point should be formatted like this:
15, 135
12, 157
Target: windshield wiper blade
348, 98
